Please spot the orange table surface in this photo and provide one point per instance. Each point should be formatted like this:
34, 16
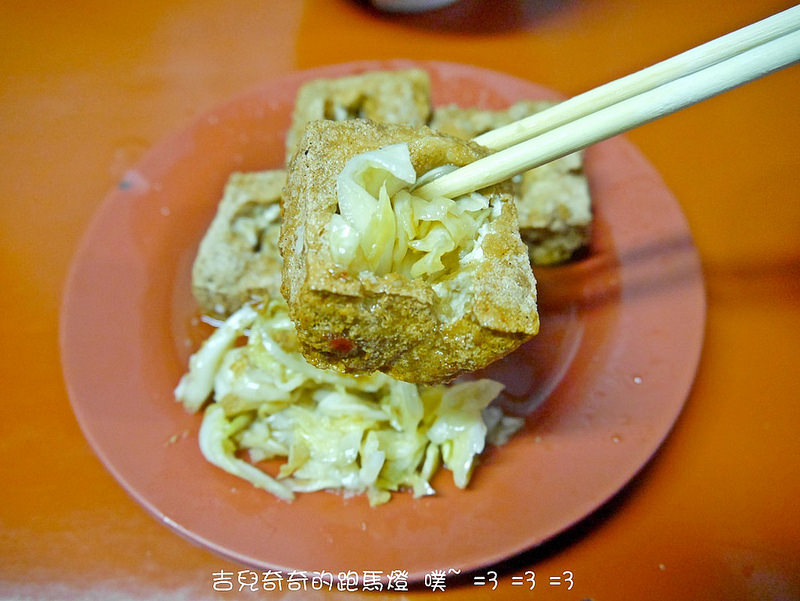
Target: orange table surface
86, 87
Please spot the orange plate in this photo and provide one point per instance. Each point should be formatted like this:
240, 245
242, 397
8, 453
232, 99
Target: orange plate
602, 383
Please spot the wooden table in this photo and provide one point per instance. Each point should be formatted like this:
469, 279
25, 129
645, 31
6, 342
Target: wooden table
86, 87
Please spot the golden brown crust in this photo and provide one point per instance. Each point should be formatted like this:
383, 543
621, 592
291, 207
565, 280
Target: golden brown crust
238, 258
401, 96
555, 212
390, 323
553, 201
470, 122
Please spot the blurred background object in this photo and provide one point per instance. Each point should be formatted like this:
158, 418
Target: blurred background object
410, 6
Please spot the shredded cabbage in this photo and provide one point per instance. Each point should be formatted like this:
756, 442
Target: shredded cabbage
383, 227
370, 435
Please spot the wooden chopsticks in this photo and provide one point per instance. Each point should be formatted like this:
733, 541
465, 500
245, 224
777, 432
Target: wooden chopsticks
621, 105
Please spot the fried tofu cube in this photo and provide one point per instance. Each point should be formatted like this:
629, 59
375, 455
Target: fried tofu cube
426, 289
555, 210
401, 96
470, 122
553, 201
238, 258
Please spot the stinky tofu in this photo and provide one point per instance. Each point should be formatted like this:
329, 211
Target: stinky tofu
238, 258
400, 96
553, 201
462, 309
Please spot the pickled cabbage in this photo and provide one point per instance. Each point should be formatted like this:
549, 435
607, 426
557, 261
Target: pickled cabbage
381, 226
370, 434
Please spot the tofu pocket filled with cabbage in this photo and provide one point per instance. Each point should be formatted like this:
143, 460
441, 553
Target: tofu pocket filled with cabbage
378, 278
